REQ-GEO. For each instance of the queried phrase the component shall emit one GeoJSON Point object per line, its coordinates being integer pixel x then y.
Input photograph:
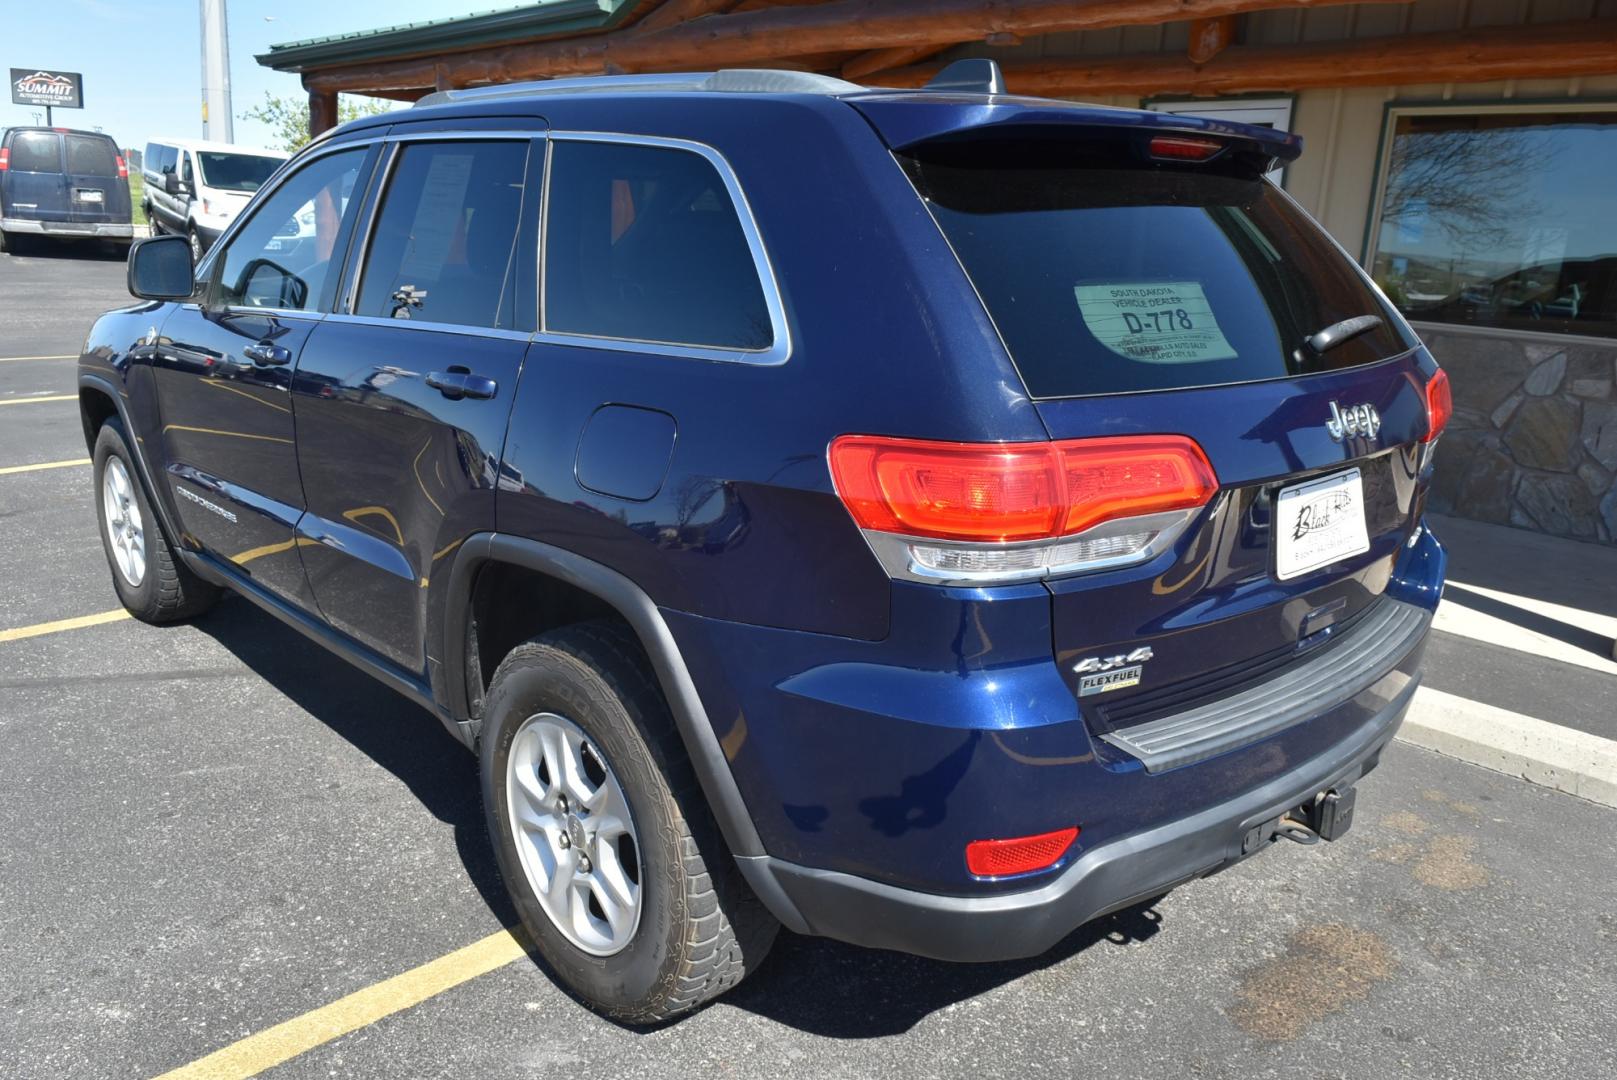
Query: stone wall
{"type": "Point", "coordinates": [1533, 442]}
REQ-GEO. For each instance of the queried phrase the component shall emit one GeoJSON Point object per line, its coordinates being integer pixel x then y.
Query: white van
{"type": "Point", "coordinates": [195, 188]}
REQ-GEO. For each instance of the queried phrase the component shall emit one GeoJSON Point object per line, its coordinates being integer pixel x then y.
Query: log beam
{"type": "Point", "coordinates": [674, 12]}
{"type": "Point", "coordinates": [745, 37]}
{"type": "Point", "coordinates": [1209, 37]}
{"type": "Point", "coordinates": [869, 63]}
{"type": "Point", "coordinates": [1579, 47]}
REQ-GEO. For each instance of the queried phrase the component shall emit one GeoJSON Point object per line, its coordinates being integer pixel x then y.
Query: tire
{"type": "Point", "coordinates": [152, 222]}
{"type": "Point", "coordinates": [163, 590]}
{"type": "Point", "coordinates": [195, 240]}
{"type": "Point", "coordinates": [698, 929]}
{"type": "Point", "coordinates": [2, 241]}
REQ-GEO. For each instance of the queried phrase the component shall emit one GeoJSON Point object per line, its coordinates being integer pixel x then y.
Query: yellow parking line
{"type": "Point", "coordinates": [37, 400]}
{"type": "Point", "coordinates": [6, 359]}
{"type": "Point", "coordinates": [285, 1041]}
{"type": "Point", "coordinates": [9, 469]}
{"type": "Point", "coordinates": [78, 622]}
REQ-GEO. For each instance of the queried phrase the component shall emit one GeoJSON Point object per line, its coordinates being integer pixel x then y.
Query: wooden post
{"type": "Point", "coordinates": [322, 111]}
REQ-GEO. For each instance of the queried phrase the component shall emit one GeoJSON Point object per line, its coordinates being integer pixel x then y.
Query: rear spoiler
{"type": "Point", "coordinates": [963, 104]}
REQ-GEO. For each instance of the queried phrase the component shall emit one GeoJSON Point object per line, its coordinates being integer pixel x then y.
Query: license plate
{"type": "Point", "coordinates": [1319, 523]}
{"type": "Point", "coordinates": [90, 196]}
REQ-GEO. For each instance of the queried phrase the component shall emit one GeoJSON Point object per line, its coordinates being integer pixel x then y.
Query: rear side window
{"type": "Point", "coordinates": [90, 156]}
{"type": "Point", "coordinates": [36, 151]}
{"type": "Point", "coordinates": [644, 243]}
{"type": "Point", "coordinates": [444, 246]}
{"type": "Point", "coordinates": [166, 158]}
{"type": "Point", "coordinates": [1108, 280]}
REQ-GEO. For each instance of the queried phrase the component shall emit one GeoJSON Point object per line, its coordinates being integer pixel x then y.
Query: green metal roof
{"type": "Point", "coordinates": [547, 18]}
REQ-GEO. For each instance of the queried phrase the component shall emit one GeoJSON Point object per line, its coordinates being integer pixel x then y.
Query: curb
{"type": "Point", "coordinates": [1539, 752]}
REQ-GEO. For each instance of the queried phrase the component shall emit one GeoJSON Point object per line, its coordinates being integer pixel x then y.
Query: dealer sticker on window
{"type": "Point", "coordinates": [1319, 523]}
{"type": "Point", "coordinates": [1157, 322]}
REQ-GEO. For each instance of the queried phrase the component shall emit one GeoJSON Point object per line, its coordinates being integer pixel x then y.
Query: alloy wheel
{"type": "Point", "coordinates": [125, 528]}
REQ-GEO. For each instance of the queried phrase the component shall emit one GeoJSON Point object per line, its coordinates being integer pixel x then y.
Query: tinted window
{"type": "Point", "coordinates": [162, 158]}
{"type": "Point", "coordinates": [1501, 219]}
{"type": "Point", "coordinates": [1107, 280]}
{"type": "Point", "coordinates": [36, 151]}
{"type": "Point", "coordinates": [185, 166]}
{"type": "Point", "coordinates": [236, 172]}
{"type": "Point", "coordinates": [90, 156]}
{"type": "Point", "coordinates": [444, 245]}
{"type": "Point", "coordinates": [281, 256]}
{"type": "Point", "coordinates": [644, 243]}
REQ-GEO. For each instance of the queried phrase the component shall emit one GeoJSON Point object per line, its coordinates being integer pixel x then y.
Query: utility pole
{"type": "Point", "coordinates": [217, 118]}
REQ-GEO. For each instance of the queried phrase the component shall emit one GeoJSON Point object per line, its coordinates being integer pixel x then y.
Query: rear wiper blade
{"type": "Point", "coordinates": [1346, 330]}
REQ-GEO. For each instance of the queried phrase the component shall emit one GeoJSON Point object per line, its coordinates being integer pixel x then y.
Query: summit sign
{"type": "Point", "coordinates": [58, 89]}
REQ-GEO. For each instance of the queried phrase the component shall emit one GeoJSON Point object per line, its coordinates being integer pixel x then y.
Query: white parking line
{"type": "Point", "coordinates": [8, 359]}
{"type": "Point", "coordinates": [39, 400]}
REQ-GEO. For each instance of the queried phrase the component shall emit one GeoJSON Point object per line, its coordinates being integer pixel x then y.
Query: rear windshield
{"type": "Point", "coordinates": [236, 172]}
{"type": "Point", "coordinates": [1114, 280]}
{"type": "Point", "coordinates": [88, 155]}
{"type": "Point", "coordinates": [36, 151]}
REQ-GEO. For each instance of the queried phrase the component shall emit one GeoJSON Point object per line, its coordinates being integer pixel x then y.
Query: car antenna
{"type": "Point", "coordinates": [973, 76]}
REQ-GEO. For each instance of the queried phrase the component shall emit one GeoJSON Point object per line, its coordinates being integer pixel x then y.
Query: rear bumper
{"type": "Point", "coordinates": [1105, 878]}
{"type": "Point", "coordinates": [105, 230]}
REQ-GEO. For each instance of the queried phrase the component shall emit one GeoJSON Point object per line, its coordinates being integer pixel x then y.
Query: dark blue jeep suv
{"type": "Point", "coordinates": [930, 519]}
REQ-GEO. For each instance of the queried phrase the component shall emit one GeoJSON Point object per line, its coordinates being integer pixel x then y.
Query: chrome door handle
{"type": "Point", "coordinates": [457, 383]}
{"type": "Point", "coordinates": [268, 353]}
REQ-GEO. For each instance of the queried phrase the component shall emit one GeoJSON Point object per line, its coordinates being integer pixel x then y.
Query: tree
{"type": "Point", "coordinates": [289, 116]}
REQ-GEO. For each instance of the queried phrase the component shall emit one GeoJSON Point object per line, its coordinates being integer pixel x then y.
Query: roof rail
{"type": "Point", "coordinates": [733, 81]}
{"type": "Point", "coordinates": [972, 76]}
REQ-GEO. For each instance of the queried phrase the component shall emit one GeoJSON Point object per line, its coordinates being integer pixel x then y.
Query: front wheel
{"type": "Point", "coordinates": [196, 244]}
{"type": "Point", "coordinates": [153, 584]}
{"type": "Point", "coordinates": [612, 857]}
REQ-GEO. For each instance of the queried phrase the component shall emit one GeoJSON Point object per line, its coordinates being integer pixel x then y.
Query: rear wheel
{"type": "Point", "coordinates": [150, 580]}
{"type": "Point", "coordinates": [152, 222]}
{"type": "Point", "coordinates": [612, 857]}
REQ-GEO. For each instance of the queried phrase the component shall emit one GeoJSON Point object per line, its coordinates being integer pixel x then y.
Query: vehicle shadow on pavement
{"type": "Point", "coordinates": [815, 985]}
{"type": "Point", "coordinates": [844, 992]}
{"type": "Point", "coordinates": [391, 730]}
{"type": "Point", "coordinates": [35, 247]}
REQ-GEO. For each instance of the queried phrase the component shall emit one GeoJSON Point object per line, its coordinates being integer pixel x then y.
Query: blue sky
{"type": "Point", "coordinates": [141, 59]}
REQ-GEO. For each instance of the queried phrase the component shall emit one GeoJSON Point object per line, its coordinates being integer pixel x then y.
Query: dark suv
{"type": "Point", "coordinates": [64, 184]}
{"type": "Point", "coordinates": [930, 519]}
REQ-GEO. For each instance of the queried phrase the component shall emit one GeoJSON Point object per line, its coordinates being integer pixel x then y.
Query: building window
{"type": "Point", "coordinates": [1500, 217]}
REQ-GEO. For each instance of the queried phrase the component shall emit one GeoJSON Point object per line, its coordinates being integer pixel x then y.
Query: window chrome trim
{"type": "Point", "coordinates": [435, 327]}
{"type": "Point", "coordinates": [349, 290]}
{"type": "Point", "coordinates": [778, 352]}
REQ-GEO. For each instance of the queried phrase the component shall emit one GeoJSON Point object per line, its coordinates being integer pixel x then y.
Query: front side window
{"type": "Point", "coordinates": [281, 256]}
{"type": "Point", "coordinates": [88, 155]}
{"type": "Point", "coordinates": [644, 243]}
{"type": "Point", "coordinates": [185, 167]}
{"type": "Point", "coordinates": [1500, 219]}
{"type": "Point", "coordinates": [444, 245]}
{"type": "Point", "coordinates": [36, 151]}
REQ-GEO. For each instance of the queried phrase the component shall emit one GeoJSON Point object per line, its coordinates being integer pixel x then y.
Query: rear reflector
{"type": "Point", "coordinates": [1004, 492]}
{"type": "Point", "coordinates": [999, 858]}
{"type": "Point", "coordinates": [123, 168]}
{"type": "Point", "coordinates": [5, 160]}
{"type": "Point", "coordinates": [1184, 148]}
{"type": "Point", "coordinates": [1439, 406]}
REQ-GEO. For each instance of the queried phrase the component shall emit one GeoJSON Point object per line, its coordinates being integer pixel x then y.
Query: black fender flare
{"type": "Point", "coordinates": [643, 616]}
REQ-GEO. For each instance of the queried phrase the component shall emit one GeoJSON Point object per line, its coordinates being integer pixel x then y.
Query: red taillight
{"type": "Point", "coordinates": [123, 168]}
{"type": "Point", "coordinates": [999, 492]}
{"type": "Point", "coordinates": [5, 160]}
{"type": "Point", "coordinates": [999, 858]}
{"type": "Point", "coordinates": [1439, 406]}
{"type": "Point", "coordinates": [1184, 148]}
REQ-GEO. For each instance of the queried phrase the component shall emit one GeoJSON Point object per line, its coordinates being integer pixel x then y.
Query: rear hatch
{"type": "Point", "coordinates": [31, 184]}
{"type": "Point", "coordinates": [1150, 288]}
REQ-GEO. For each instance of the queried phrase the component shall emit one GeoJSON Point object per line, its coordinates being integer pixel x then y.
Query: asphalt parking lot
{"type": "Point", "coordinates": [215, 829]}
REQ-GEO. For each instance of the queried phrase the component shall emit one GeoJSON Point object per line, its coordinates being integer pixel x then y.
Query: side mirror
{"type": "Point", "coordinates": [160, 268]}
{"type": "Point", "coordinates": [173, 185]}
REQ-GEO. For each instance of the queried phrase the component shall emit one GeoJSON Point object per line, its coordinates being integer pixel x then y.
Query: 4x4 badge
{"type": "Point", "coordinates": [1099, 674]}
{"type": "Point", "coordinates": [1353, 420]}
